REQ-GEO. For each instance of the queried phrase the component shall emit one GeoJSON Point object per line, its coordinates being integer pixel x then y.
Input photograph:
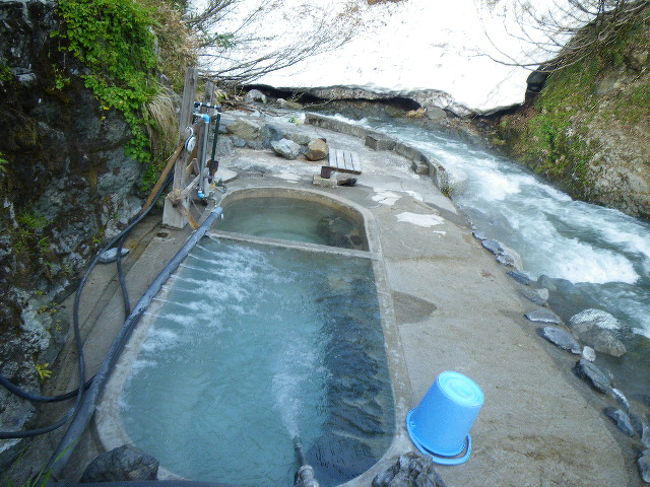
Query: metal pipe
{"type": "Point", "coordinates": [202, 193]}
{"type": "Point", "coordinates": [305, 476]}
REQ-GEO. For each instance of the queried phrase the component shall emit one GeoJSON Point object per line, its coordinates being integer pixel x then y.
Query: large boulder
{"type": "Point", "coordinates": [604, 341]}
{"type": "Point", "coordinates": [254, 96]}
{"type": "Point", "coordinates": [286, 148]}
{"type": "Point", "coordinates": [596, 328]}
{"type": "Point", "coordinates": [125, 463]}
{"type": "Point", "coordinates": [245, 129]}
{"type": "Point", "coordinates": [317, 150]}
{"type": "Point", "coordinates": [589, 319]}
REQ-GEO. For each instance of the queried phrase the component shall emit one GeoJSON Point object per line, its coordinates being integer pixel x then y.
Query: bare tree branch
{"type": "Point", "coordinates": [235, 45]}
{"type": "Point", "coordinates": [543, 33]}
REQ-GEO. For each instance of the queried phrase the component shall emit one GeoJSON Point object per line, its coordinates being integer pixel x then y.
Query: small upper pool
{"type": "Point", "coordinates": [282, 215]}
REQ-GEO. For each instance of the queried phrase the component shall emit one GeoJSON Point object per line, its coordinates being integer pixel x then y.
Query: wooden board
{"type": "Point", "coordinates": [344, 161]}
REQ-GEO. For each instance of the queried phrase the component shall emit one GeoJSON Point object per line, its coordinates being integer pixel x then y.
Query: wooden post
{"type": "Point", "coordinates": [173, 216]}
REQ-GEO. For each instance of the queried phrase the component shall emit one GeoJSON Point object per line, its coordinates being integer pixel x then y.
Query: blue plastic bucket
{"type": "Point", "coordinates": [440, 425]}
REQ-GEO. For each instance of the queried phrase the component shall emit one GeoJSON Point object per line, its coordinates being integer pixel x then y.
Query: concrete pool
{"type": "Point", "coordinates": [256, 340]}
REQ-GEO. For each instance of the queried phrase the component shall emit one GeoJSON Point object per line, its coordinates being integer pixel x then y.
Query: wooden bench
{"type": "Point", "coordinates": [341, 161]}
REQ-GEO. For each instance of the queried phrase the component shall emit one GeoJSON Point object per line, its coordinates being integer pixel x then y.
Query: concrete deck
{"type": "Point", "coordinates": [453, 308]}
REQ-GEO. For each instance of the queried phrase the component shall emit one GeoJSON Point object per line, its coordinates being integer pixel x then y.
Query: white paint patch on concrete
{"type": "Point", "coordinates": [414, 195]}
{"type": "Point", "coordinates": [420, 219]}
{"type": "Point", "coordinates": [386, 198]}
{"type": "Point", "coordinates": [289, 177]}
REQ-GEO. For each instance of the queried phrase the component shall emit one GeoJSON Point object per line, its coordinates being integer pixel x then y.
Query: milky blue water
{"type": "Point", "coordinates": [251, 346]}
{"type": "Point", "coordinates": [295, 219]}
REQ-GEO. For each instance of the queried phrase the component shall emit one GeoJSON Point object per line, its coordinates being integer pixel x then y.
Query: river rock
{"type": "Point", "coordinates": [435, 114]}
{"type": "Point", "coordinates": [298, 137]}
{"type": "Point", "coordinates": [644, 466]}
{"type": "Point", "coordinates": [286, 148]}
{"type": "Point", "coordinates": [537, 296]}
{"type": "Point", "coordinates": [645, 436]}
{"type": "Point", "coordinates": [290, 105]}
{"type": "Point", "coordinates": [621, 399]}
{"type": "Point", "coordinates": [317, 150]}
{"type": "Point", "coordinates": [621, 420]}
{"type": "Point", "coordinates": [560, 338]}
{"type": "Point", "coordinates": [492, 245]}
{"type": "Point", "coordinates": [478, 235]}
{"type": "Point", "coordinates": [589, 354]}
{"type": "Point", "coordinates": [593, 375]}
{"type": "Point", "coordinates": [237, 141]}
{"type": "Point", "coordinates": [604, 341]}
{"type": "Point", "coordinates": [504, 255]}
{"type": "Point", "coordinates": [270, 133]}
{"type": "Point", "coordinates": [641, 426]}
{"type": "Point", "coordinates": [510, 258]}
{"type": "Point", "coordinates": [589, 319]}
{"type": "Point", "coordinates": [245, 129]}
{"type": "Point", "coordinates": [520, 277]}
{"type": "Point", "coordinates": [543, 315]}
{"type": "Point", "coordinates": [409, 470]}
{"type": "Point", "coordinates": [125, 463]}
{"type": "Point", "coordinates": [255, 96]}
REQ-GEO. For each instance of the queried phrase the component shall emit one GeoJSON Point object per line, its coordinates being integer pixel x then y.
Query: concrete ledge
{"type": "Point", "coordinates": [422, 163]}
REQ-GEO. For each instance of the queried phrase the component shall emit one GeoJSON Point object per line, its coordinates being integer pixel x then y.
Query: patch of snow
{"type": "Point", "coordinates": [386, 198]}
{"type": "Point", "coordinates": [415, 195]}
{"type": "Point", "coordinates": [420, 219]}
{"type": "Point", "coordinates": [415, 45]}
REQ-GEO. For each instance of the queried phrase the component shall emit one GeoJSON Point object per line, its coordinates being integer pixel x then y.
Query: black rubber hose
{"type": "Point", "coordinates": [37, 397]}
{"type": "Point", "coordinates": [120, 275]}
{"type": "Point", "coordinates": [83, 414]}
{"type": "Point", "coordinates": [79, 392]}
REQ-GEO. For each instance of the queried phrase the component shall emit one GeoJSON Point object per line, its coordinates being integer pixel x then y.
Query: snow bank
{"type": "Point", "coordinates": [420, 45]}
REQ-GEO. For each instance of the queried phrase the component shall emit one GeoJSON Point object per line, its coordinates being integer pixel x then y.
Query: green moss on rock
{"type": "Point", "coordinates": [591, 122]}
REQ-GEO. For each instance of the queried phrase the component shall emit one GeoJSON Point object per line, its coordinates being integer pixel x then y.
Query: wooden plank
{"type": "Point", "coordinates": [347, 160]}
{"type": "Point", "coordinates": [344, 161]}
{"type": "Point", "coordinates": [356, 163]}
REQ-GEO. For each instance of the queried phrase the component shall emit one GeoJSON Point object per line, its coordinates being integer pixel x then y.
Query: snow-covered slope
{"type": "Point", "coordinates": [418, 45]}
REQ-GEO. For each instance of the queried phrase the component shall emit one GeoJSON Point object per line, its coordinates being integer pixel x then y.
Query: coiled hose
{"type": "Point", "coordinates": [83, 414]}
{"type": "Point", "coordinates": [79, 392]}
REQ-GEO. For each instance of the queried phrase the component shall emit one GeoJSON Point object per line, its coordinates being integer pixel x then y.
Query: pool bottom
{"type": "Point", "coordinates": [302, 359]}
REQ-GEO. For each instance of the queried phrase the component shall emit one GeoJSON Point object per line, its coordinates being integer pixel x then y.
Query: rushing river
{"type": "Point", "coordinates": [588, 255]}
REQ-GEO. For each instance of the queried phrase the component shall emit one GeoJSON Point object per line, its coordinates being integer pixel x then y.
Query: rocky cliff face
{"type": "Point", "coordinates": [65, 185]}
{"type": "Point", "coordinates": [588, 130]}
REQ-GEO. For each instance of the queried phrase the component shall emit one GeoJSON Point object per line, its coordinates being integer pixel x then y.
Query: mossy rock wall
{"type": "Point", "coordinates": [588, 130]}
{"type": "Point", "coordinates": [65, 183]}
